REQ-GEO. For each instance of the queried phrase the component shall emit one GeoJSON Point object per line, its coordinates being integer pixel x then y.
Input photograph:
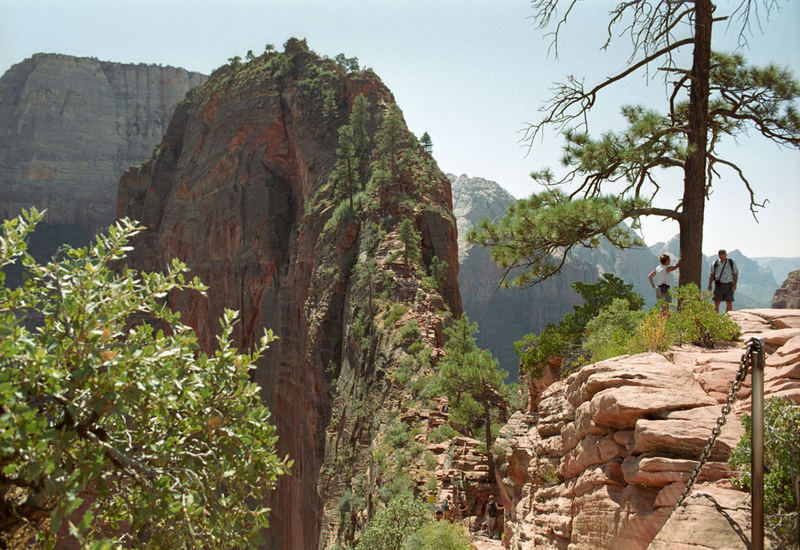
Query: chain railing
{"type": "Point", "coordinates": [754, 349]}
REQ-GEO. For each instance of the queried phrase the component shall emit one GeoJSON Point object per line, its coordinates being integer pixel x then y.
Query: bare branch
{"type": "Point", "coordinates": [754, 205]}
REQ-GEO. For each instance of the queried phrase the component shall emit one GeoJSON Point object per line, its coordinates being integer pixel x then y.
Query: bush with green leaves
{"type": "Point", "coordinates": [438, 535]}
{"type": "Point", "coordinates": [391, 526]}
{"type": "Point", "coordinates": [696, 321]}
{"type": "Point", "coordinates": [173, 444]}
{"type": "Point", "coordinates": [609, 333]}
{"type": "Point", "coordinates": [564, 340]}
{"type": "Point", "coordinates": [781, 468]}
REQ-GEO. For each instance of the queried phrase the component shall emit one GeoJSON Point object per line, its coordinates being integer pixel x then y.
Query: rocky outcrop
{"type": "Point", "coordinates": [240, 189]}
{"type": "Point", "coordinates": [788, 295]}
{"type": "Point", "coordinates": [69, 128]}
{"type": "Point", "coordinates": [527, 310]}
{"type": "Point", "coordinates": [601, 457]}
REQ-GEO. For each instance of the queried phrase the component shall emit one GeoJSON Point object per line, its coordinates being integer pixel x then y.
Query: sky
{"type": "Point", "coordinates": [472, 73]}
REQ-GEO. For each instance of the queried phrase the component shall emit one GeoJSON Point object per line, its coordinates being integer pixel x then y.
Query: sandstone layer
{"type": "Point", "coordinates": [240, 189]}
{"type": "Point", "coordinates": [600, 458]}
{"type": "Point", "coordinates": [69, 128]}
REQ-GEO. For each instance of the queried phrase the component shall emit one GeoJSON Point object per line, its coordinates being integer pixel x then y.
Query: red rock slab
{"type": "Point", "coordinates": [686, 433]}
{"type": "Point", "coordinates": [711, 517]}
{"type": "Point", "coordinates": [659, 471]}
{"type": "Point", "coordinates": [787, 354]}
{"type": "Point", "coordinates": [621, 407]}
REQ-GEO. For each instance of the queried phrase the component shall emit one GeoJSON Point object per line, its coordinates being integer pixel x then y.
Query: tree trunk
{"type": "Point", "coordinates": [694, 188]}
{"type": "Point", "coordinates": [488, 419]}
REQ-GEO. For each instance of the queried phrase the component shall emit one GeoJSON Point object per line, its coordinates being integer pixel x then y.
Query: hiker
{"type": "Point", "coordinates": [447, 509]}
{"type": "Point", "coordinates": [724, 275]}
{"type": "Point", "coordinates": [491, 516]}
{"type": "Point", "coordinates": [501, 520]}
{"type": "Point", "coordinates": [663, 280]}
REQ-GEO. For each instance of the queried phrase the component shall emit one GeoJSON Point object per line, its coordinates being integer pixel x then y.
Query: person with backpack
{"type": "Point", "coordinates": [724, 275]}
{"type": "Point", "coordinates": [491, 516]}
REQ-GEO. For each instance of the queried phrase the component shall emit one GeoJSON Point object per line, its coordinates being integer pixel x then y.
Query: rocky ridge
{"type": "Point", "coordinates": [70, 126]}
{"type": "Point", "coordinates": [788, 295]}
{"type": "Point", "coordinates": [600, 458]}
{"type": "Point", "coordinates": [240, 188]}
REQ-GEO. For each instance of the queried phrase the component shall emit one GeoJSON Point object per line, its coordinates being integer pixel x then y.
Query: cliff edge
{"type": "Point", "coordinates": [600, 458]}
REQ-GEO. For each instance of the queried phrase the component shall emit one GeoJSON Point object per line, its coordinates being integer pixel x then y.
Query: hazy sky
{"type": "Point", "coordinates": [471, 73]}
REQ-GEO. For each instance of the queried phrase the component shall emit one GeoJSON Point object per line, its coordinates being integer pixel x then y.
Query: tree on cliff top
{"type": "Point", "coordinates": [717, 95]}
{"type": "Point", "coordinates": [171, 447]}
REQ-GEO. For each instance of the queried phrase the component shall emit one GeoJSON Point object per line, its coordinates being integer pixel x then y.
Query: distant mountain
{"type": "Point", "coordinates": [70, 126]}
{"type": "Point", "coordinates": [506, 315]}
{"type": "Point", "coordinates": [780, 267]}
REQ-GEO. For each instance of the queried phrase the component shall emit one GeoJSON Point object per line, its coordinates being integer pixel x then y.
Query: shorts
{"type": "Point", "coordinates": [663, 295]}
{"type": "Point", "coordinates": [723, 292]}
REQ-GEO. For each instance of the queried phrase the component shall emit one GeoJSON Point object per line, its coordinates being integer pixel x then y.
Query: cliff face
{"type": "Point", "coordinates": [69, 127]}
{"type": "Point", "coordinates": [506, 315]}
{"type": "Point", "coordinates": [788, 295]}
{"type": "Point", "coordinates": [240, 189]}
{"type": "Point", "coordinates": [601, 457]}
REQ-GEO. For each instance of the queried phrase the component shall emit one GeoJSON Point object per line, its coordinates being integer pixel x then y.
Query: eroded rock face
{"type": "Point", "coordinates": [69, 128]}
{"type": "Point", "coordinates": [788, 295]}
{"type": "Point", "coordinates": [240, 190]}
{"type": "Point", "coordinates": [604, 455]}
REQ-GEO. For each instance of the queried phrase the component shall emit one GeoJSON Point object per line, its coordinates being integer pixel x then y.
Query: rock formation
{"type": "Point", "coordinates": [788, 295]}
{"type": "Point", "coordinates": [240, 189]}
{"type": "Point", "coordinates": [528, 310]}
{"type": "Point", "coordinates": [600, 458]}
{"type": "Point", "coordinates": [69, 128]}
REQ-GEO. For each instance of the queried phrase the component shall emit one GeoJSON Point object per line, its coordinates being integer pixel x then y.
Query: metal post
{"type": "Point", "coordinates": [757, 442]}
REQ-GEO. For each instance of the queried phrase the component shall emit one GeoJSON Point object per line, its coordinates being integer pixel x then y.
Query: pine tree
{"type": "Point", "coordinates": [472, 381]}
{"type": "Point", "coordinates": [391, 137]}
{"type": "Point", "coordinates": [426, 143]}
{"type": "Point", "coordinates": [408, 235]}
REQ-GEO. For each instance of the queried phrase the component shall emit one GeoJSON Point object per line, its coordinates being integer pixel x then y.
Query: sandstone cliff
{"type": "Point", "coordinates": [240, 189]}
{"type": "Point", "coordinates": [788, 295]}
{"type": "Point", "coordinates": [69, 128]}
{"type": "Point", "coordinates": [601, 457]}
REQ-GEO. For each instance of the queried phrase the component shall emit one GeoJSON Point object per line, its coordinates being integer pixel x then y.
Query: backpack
{"type": "Point", "coordinates": [716, 263]}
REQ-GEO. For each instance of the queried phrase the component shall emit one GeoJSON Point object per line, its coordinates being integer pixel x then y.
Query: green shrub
{"type": "Point", "coordinates": [430, 461]}
{"type": "Point", "coordinates": [438, 535]}
{"type": "Point", "coordinates": [390, 527]}
{"type": "Point", "coordinates": [409, 333]}
{"type": "Point", "coordinates": [781, 468]}
{"type": "Point", "coordinates": [442, 433]}
{"type": "Point", "coordinates": [610, 332]}
{"type": "Point", "coordinates": [696, 321]}
{"type": "Point", "coordinates": [397, 435]}
{"type": "Point", "coordinates": [395, 313]}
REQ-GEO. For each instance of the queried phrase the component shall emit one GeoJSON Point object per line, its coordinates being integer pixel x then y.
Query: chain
{"type": "Point", "coordinates": [744, 365]}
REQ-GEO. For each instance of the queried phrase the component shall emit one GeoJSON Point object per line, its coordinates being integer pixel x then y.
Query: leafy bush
{"type": "Point", "coordinates": [397, 435]}
{"type": "Point", "coordinates": [395, 313]}
{"type": "Point", "coordinates": [781, 468]}
{"type": "Point", "coordinates": [696, 321]}
{"type": "Point", "coordinates": [390, 527]}
{"type": "Point", "coordinates": [438, 535]}
{"type": "Point", "coordinates": [564, 340]}
{"type": "Point", "coordinates": [442, 433]}
{"type": "Point", "coordinates": [409, 333]}
{"type": "Point", "coordinates": [609, 333]}
{"type": "Point", "coordinates": [172, 441]}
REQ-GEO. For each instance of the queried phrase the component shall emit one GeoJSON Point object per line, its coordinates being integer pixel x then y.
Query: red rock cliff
{"type": "Point", "coordinates": [240, 190]}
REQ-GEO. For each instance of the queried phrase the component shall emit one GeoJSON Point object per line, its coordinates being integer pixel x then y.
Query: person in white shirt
{"type": "Point", "coordinates": [724, 275]}
{"type": "Point", "coordinates": [661, 280]}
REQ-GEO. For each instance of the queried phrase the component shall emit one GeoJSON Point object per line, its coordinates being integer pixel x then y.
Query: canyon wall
{"type": "Point", "coordinates": [70, 126]}
{"type": "Point", "coordinates": [240, 188]}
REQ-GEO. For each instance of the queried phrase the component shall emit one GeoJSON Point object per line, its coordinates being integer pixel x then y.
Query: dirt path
{"type": "Point", "coordinates": [482, 542]}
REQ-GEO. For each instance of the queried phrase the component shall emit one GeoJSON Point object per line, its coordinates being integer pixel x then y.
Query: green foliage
{"type": "Point", "coordinates": [170, 440]}
{"type": "Point", "coordinates": [532, 241]}
{"type": "Point", "coordinates": [350, 64]}
{"type": "Point", "coordinates": [442, 433]}
{"type": "Point", "coordinates": [426, 143]}
{"type": "Point", "coordinates": [472, 382]}
{"type": "Point", "coordinates": [696, 321]}
{"type": "Point", "coordinates": [409, 333]}
{"type": "Point", "coordinates": [437, 272]}
{"type": "Point", "coordinates": [608, 333]}
{"type": "Point", "coordinates": [391, 138]}
{"type": "Point", "coordinates": [391, 526]}
{"type": "Point", "coordinates": [781, 468]}
{"type": "Point", "coordinates": [549, 474]}
{"type": "Point", "coordinates": [397, 435]}
{"type": "Point", "coordinates": [564, 340]}
{"type": "Point", "coordinates": [394, 315]}
{"type": "Point", "coordinates": [438, 535]}
{"type": "Point", "coordinates": [410, 238]}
